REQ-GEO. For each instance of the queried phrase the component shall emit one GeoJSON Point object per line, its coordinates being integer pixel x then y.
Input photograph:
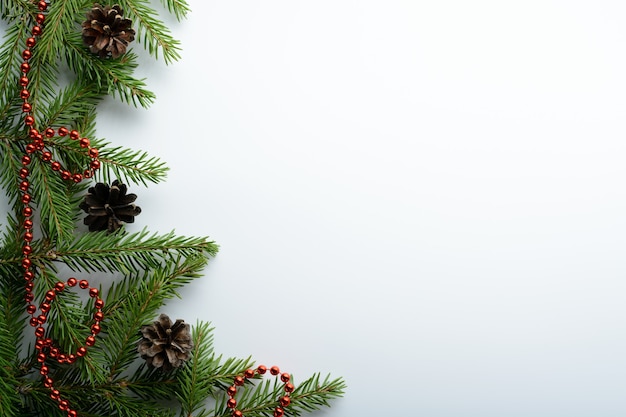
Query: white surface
{"type": "Point", "coordinates": [424, 197]}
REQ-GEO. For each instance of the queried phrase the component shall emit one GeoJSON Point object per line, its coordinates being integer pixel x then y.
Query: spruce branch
{"type": "Point", "coordinates": [152, 32]}
{"type": "Point", "coordinates": [179, 8]}
{"type": "Point", "coordinates": [115, 76]}
{"type": "Point", "coordinates": [127, 253]}
{"type": "Point", "coordinates": [130, 166]}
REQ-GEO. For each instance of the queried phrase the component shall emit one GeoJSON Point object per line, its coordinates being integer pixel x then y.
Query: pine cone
{"type": "Point", "coordinates": [108, 207]}
{"type": "Point", "coordinates": [165, 345]}
{"type": "Point", "coordinates": [106, 32]}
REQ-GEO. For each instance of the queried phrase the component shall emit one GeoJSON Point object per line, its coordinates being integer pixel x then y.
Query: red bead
{"type": "Point", "coordinates": [285, 400]}
{"type": "Point", "coordinates": [26, 263]}
{"type": "Point", "coordinates": [84, 143]}
{"type": "Point", "coordinates": [24, 94]}
{"type": "Point", "coordinates": [55, 166]}
{"type": "Point", "coordinates": [44, 370]}
{"type": "Point", "coordinates": [249, 373]}
{"type": "Point", "coordinates": [50, 295]}
{"type": "Point", "coordinates": [27, 54]}
{"type": "Point", "coordinates": [72, 413]}
{"type": "Point", "coordinates": [30, 148]}
{"type": "Point", "coordinates": [40, 18]}
{"type": "Point", "coordinates": [31, 309]}
{"type": "Point", "coordinates": [74, 135]}
{"type": "Point", "coordinates": [49, 132]}
{"type": "Point", "coordinates": [54, 352]}
{"type": "Point", "coordinates": [24, 185]}
{"type": "Point", "coordinates": [77, 178]}
{"type": "Point", "coordinates": [59, 286]}
{"type": "Point", "coordinates": [44, 307]}
{"type": "Point", "coordinates": [231, 403]}
{"type": "Point", "coordinates": [46, 156]}
{"type": "Point", "coordinates": [93, 152]}
{"type": "Point", "coordinates": [27, 250]}
{"type": "Point", "coordinates": [25, 67]}
{"type": "Point", "coordinates": [274, 370]}
{"type": "Point", "coordinates": [41, 319]}
{"type": "Point", "coordinates": [71, 358]}
{"type": "Point", "coordinates": [28, 237]}
{"type": "Point", "coordinates": [289, 387]}
{"type": "Point", "coordinates": [72, 282]}
{"type": "Point", "coordinates": [29, 120]}
{"type": "Point", "coordinates": [285, 377]}
{"type": "Point", "coordinates": [27, 108]}
{"type": "Point", "coordinates": [29, 287]}
{"type": "Point", "coordinates": [239, 381]}
{"type": "Point", "coordinates": [237, 413]}
{"type": "Point", "coordinates": [231, 391]}
{"type": "Point", "coordinates": [24, 81]}
{"type": "Point", "coordinates": [63, 131]}
{"type": "Point", "coordinates": [23, 173]}
{"type": "Point", "coordinates": [41, 358]}
{"type": "Point", "coordinates": [66, 175]}
{"type": "Point", "coordinates": [99, 303]}
{"type": "Point", "coordinates": [98, 316]}
{"type": "Point", "coordinates": [279, 412]}
{"type": "Point", "coordinates": [64, 405]}
{"type": "Point", "coordinates": [82, 351]}
{"type": "Point", "coordinates": [27, 211]}
{"type": "Point", "coordinates": [90, 341]}
{"type": "Point", "coordinates": [26, 160]}
{"type": "Point", "coordinates": [33, 322]}
{"type": "Point", "coordinates": [261, 369]}
{"type": "Point", "coordinates": [30, 42]}
{"type": "Point", "coordinates": [26, 198]}
{"type": "Point", "coordinates": [95, 164]}
{"type": "Point", "coordinates": [40, 331]}
{"type": "Point", "coordinates": [36, 30]}
{"type": "Point", "coordinates": [42, 5]}
{"type": "Point", "coordinates": [28, 275]}
{"type": "Point", "coordinates": [55, 394]}
{"type": "Point", "coordinates": [83, 283]}
{"type": "Point", "coordinates": [87, 174]}
{"type": "Point", "coordinates": [95, 329]}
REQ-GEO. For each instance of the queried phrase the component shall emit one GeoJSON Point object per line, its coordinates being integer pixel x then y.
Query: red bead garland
{"type": "Point", "coordinates": [45, 346]}
{"type": "Point", "coordinates": [240, 380]}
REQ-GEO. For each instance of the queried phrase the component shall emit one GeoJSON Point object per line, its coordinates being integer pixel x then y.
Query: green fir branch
{"type": "Point", "coordinates": [130, 166]}
{"type": "Point", "coordinates": [151, 31]}
{"type": "Point", "coordinates": [179, 8]}
{"type": "Point", "coordinates": [128, 253]}
{"type": "Point", "coordinates": [115, 76]}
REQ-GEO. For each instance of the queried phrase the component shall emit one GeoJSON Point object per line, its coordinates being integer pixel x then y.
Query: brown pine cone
{"type": "Point", "coordinates": [165, 345]}
{"type": "Point", "coordinates": [108, 207]}
{"type": "Point", "coordinates": [106, 31]}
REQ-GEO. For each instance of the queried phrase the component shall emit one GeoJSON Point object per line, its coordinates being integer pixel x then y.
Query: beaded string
{"type": "Point", "coordinates": [46, 346]}
{"type": "Point", "coordinates": [239, 380]}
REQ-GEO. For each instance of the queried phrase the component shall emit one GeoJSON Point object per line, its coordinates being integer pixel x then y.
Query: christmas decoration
{"type": "Point", "coordinates": [165, 345]}
{"type": "Point", "coordinates": [106, 31]}
{"type": "Point", "coordinates": [108, 207]}
{"type": "Point", "coordinates": [86, 356]}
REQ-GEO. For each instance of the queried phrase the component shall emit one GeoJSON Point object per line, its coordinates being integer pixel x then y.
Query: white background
{"type": "Point", "coordinates": [424, 197]}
